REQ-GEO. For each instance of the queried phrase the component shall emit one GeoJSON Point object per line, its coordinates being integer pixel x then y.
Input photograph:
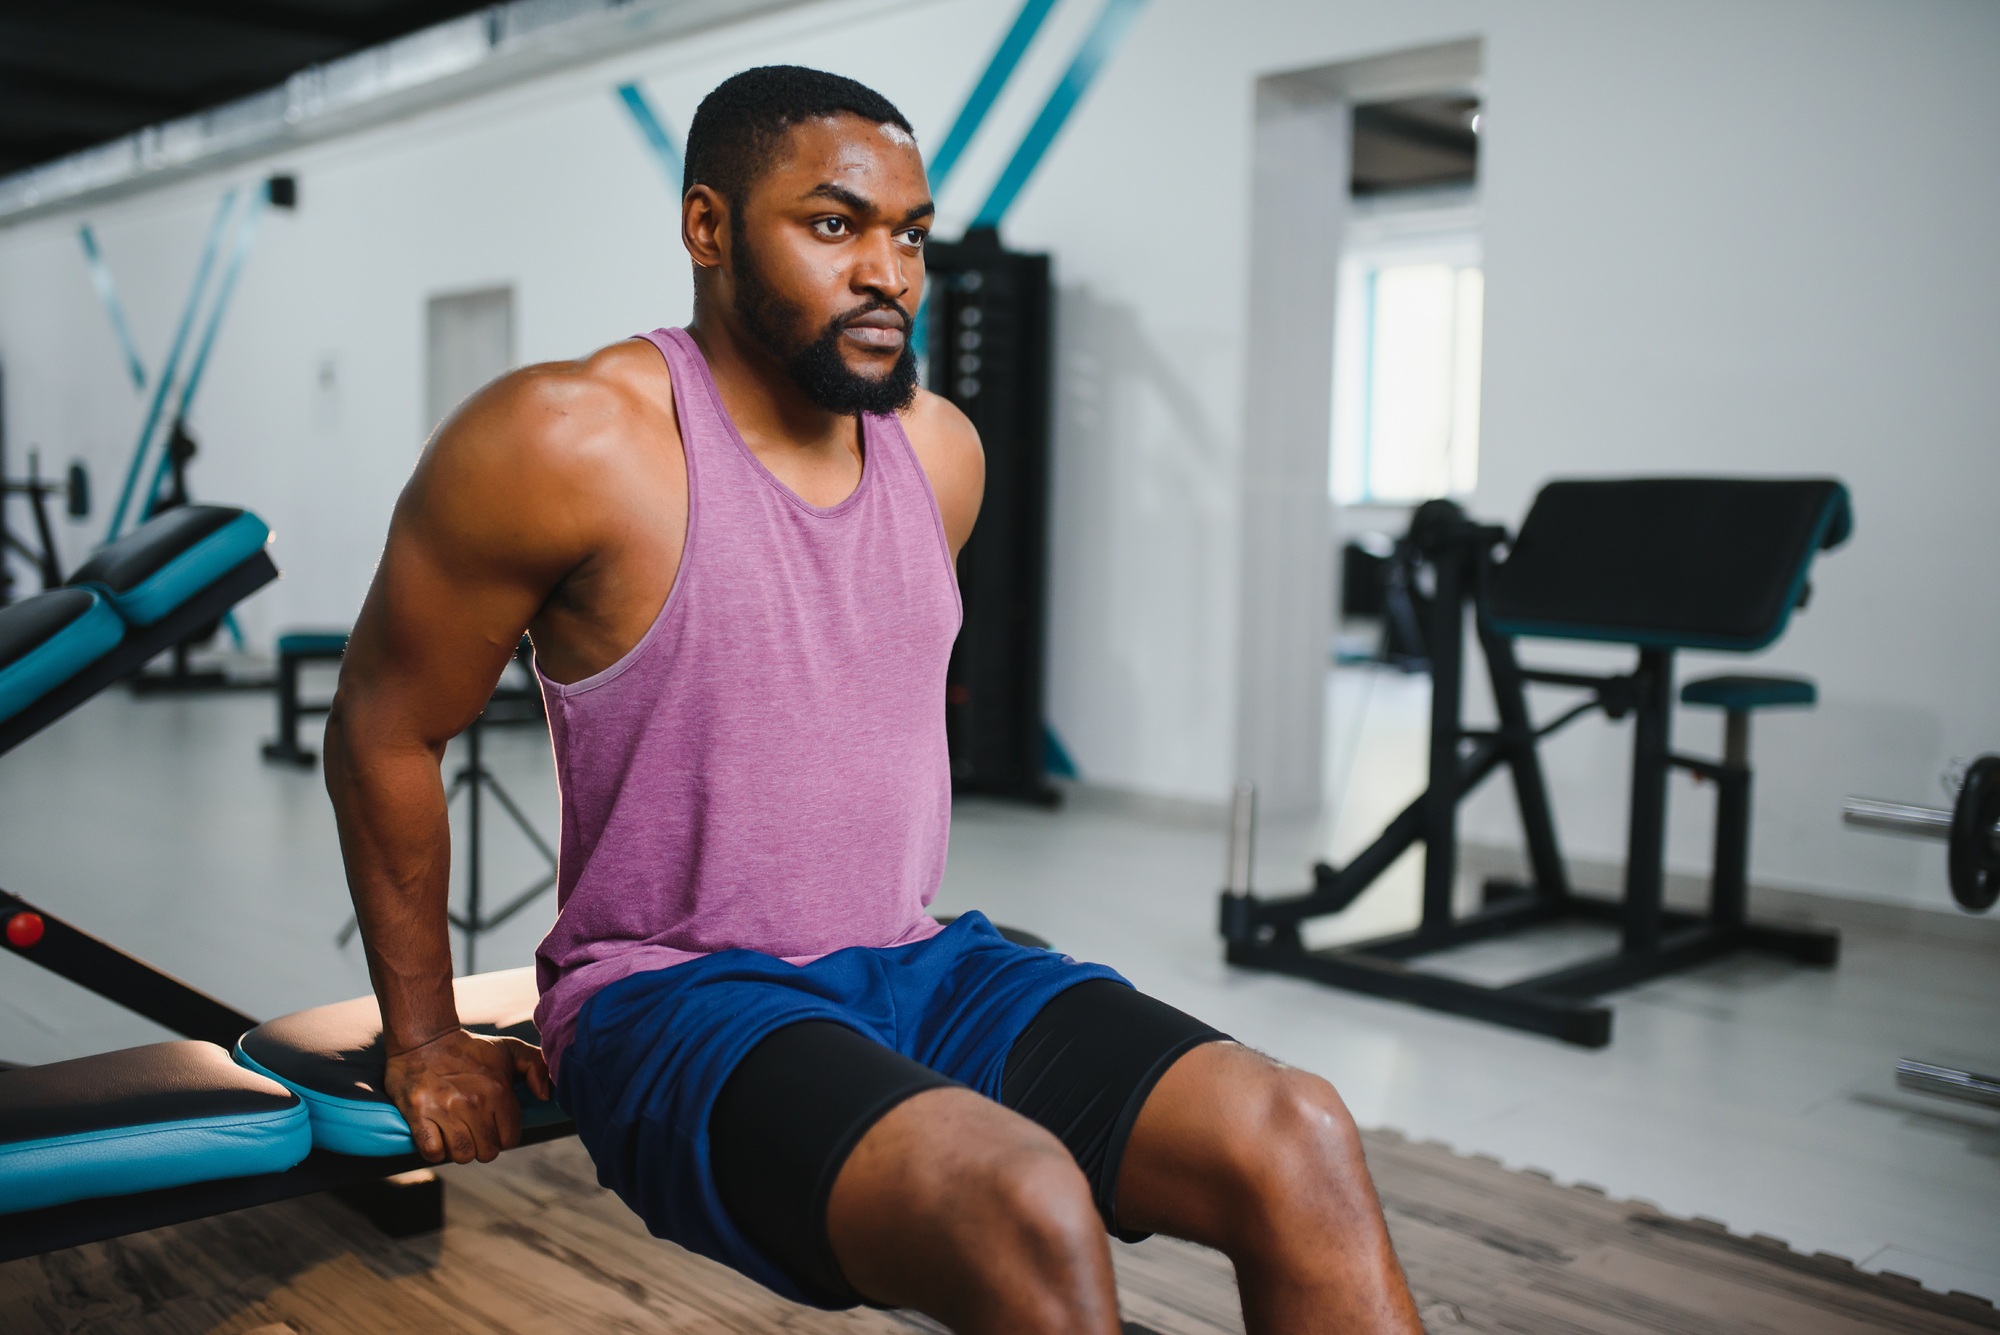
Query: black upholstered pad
{"type": "Point", "coordinates": [145, 551]}
{"type": "Point", "coordinates": [162, 1082]}
{"type": "Point", "coordinates": [32, 622]}
{"type": "Point", "coordinates": [1715, 563]}
{"type": "Point", "coordinates": [337, 1050]}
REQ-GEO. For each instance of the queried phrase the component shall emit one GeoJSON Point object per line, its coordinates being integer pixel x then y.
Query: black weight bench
{"type": "Point", "coordinates": [130, 602]}
{"type": "Point", "coordinates": [1660, 564]}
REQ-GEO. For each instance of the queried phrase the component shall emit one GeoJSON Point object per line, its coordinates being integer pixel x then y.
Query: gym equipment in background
{"type": "Point", "coordinates": [1658, 564]}
{"type": "Point", "coordinates": [508, 706]}
{"type": "Point", "coordinates": [295, 649]}
{"type": "Point", "coordinates": [1970, 830]}
{"type": "Point", "coordinates": [133, 599]}
{"type": "Point", "coordinates": [75, 491]}
{"type": "Point", "coordinates": [1971, 834]}
{"type": "Point", "coordinates": [989, 312]}
{"type": "Point", "coordinates": [1378, 581]}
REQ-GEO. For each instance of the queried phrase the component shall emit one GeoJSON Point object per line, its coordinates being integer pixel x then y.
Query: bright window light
{"type": "Point", "coordinates": [1413, 411]}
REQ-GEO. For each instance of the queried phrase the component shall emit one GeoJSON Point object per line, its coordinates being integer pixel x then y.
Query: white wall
{"type": "Point", "coordinates": [1718, 236]}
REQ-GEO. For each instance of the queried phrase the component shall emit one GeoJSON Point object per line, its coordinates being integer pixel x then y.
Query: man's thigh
{"type": "Point", "coordinates": [1085, 1068]}
{"type": "Point", "coordinates": [803, 1102]}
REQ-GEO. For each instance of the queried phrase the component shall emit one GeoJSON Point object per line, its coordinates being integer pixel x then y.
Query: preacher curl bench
{"type": "Point", "coordinates": [238, 1113]}
{"type": "Point", "coordinates": [1660, 564]}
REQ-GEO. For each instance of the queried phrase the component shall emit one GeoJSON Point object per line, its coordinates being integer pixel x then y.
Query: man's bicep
{"type": "Point", "coordinates": [435, 634]}
{"type": "Point", "coordinates": [947, 445]}
{"type": "Point", "coordinates": [474, 549]}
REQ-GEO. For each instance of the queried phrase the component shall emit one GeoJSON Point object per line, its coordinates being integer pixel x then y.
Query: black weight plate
{"type": "Point", "coordinates": [1975, 867]}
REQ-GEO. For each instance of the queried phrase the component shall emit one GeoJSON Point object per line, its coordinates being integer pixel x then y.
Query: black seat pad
{"type": "Point", "coordinates": [32, 622]}
{"type": "Point", "coordinates": [338, 1049]}
{"type": "Point", "coordinates": [1714, 563]}
{"type": "Point", "coordinates": [162, 1082]}
{"type": "Point", "coordinates": [124, 565]}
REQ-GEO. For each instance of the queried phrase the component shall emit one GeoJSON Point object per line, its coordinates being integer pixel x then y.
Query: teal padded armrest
{"type": "Point", "coordinates": [49, 638]}
{"type": "Point", "coordinates": [171, 557]}
{"type": "Point", "coordinates": [1740, 693]}
{"type": "Point", "coordinates": [333, 1058]}
{"type": "Point", "coordinates": [119, 1123]}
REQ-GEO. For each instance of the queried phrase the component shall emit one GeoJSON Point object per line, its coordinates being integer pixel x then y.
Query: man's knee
{"type": "Point", "coordinates": [1295, 1155]}
{"type": "Point", "coordinates": [1036, 1220]}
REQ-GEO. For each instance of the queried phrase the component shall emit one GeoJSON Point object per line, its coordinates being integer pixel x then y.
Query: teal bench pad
{"type": "Point", "coordinates": [49, 638]}
{"type": "Point", "coordinates": [170, 558]}
{"type": "Point", "coordinates": [333, 1058]}
{"type": "Point", "coordinates": [312, 644]}
{"type": "Point", "coordinates": [1745, 693]}
{"type": "Point", "coordinates": [143, 1119]}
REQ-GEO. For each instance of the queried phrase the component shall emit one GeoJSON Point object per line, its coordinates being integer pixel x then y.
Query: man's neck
{"type": "Point", "coordinates": [770, 411]}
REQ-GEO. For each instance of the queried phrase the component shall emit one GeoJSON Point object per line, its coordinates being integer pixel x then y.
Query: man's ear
{"type": "Point", "coordinates": [704, 223]}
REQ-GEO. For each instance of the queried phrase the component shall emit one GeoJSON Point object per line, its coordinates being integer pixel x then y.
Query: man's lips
{"type": "Point", "coordinates": [877, 329]}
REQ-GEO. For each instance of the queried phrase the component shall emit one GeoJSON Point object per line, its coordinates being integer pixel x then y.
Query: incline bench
{"type": "Point", "coordinates": [1659, 564]}
{"type": "Point", "coordinates": [237, 1113]}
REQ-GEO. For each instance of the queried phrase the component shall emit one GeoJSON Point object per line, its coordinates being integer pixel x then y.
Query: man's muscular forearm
{"type": "Point", "coordinates": [454, 1088]}
{"type": "Point", "coordinates": [395, 838]}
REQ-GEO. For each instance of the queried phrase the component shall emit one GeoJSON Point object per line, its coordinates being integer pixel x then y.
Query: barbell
{"type": "Point", "coordinates": [1970, 831]}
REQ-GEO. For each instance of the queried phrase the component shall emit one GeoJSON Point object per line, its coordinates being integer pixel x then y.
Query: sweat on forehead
{"type": "Point", "coordinates": [740, 126]}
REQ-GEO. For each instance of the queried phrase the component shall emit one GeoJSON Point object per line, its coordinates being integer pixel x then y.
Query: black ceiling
{"type": "Point", "coordinates": [1414, 144]}
{"type": "Point", "coordinates": [74, 73]}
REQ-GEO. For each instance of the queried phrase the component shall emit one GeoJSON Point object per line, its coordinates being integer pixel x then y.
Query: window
{"type": "Point", "coordinates": [1407, 391]}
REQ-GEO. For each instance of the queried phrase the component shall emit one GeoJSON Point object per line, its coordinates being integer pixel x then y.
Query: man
{"type": "Point", "coordinates": [733, 547]}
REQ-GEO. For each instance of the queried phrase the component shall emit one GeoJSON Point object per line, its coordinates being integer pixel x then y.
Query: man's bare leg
{"type": "Point", "coordinates": [1263, 1163]}
{"type": "Point", "coordinates": [973, 1215]}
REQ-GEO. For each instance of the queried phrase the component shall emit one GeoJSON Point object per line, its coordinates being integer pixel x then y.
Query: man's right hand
{"type": "Point", "coordinates": [457, 1093]}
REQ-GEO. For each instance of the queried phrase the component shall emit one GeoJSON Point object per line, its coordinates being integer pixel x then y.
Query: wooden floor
{"type": "Point", "coordinates": [533, 1245]}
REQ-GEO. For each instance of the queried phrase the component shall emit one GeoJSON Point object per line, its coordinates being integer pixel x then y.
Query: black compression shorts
{"type": "Point", "coordinates": [794, 1108]}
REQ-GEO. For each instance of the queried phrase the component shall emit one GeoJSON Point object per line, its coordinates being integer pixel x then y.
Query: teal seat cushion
{"type": "Point", "coordinates": [170, 558]}
{"type": "Point", "coordinates": [332, 1057]}
{"type": "Point", "coordinates": [312, 644]}
{"type": "Point", "coordinates": [49, 638]}
{"type": "Point", "coordinates": [119, 1123]}
{"type": "Point", "coordinates": [1744, 693]}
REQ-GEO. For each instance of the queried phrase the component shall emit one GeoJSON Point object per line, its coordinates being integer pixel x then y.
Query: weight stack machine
{"type": "Point", "coordinates": [990, 344]}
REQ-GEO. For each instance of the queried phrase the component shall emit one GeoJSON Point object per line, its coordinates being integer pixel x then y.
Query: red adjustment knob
{"type": "Point", "coordinates": [24, 930]}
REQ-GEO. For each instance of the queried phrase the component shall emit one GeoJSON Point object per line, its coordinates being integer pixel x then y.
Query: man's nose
{"type": "Point", "coordinates": [879, 268]}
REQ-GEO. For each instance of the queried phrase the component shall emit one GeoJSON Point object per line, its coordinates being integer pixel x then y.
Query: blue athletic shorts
{"type": "Point", "coordinates": [651, 1052]}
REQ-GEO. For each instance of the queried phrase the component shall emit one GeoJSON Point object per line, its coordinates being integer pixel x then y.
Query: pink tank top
{"type": "Point", "coordinates": [766, 768]}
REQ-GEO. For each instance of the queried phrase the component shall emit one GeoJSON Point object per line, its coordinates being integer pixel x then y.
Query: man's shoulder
{"type": "Point", "coordinates": [558, 418]}
{"type": "Point", "coordinates": [939, 429]}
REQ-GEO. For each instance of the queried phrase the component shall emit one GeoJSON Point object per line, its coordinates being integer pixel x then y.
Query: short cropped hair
{"type": "Point", "coordinates": [738, 127]}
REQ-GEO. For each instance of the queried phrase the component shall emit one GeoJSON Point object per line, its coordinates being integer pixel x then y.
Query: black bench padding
{"type": "Point", "coordinates": [1712, 563]}
{"type": "Point", "coordinates": [338, 1050]}
{"type": "Point", "coordinates": [31, 622]}
{"type": "Point", "coordinates": [145, 551]}
{"type": "Point", "coordinates": [162, 1082]}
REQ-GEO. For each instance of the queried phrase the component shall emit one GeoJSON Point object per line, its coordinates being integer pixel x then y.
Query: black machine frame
{"type": "Point", "coordinates": [989, 348]}
{"type": "Point", "coordinates": [1264, 933]}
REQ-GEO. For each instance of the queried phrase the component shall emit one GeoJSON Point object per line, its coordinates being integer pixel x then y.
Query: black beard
{"type": "Point", "coordinates": [815, 365]}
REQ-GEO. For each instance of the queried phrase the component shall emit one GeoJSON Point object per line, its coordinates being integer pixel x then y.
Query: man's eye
{"type": "Point", "coordinates": [830, 226]}
{"type": "Point", "coordinates": [914, 238]}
